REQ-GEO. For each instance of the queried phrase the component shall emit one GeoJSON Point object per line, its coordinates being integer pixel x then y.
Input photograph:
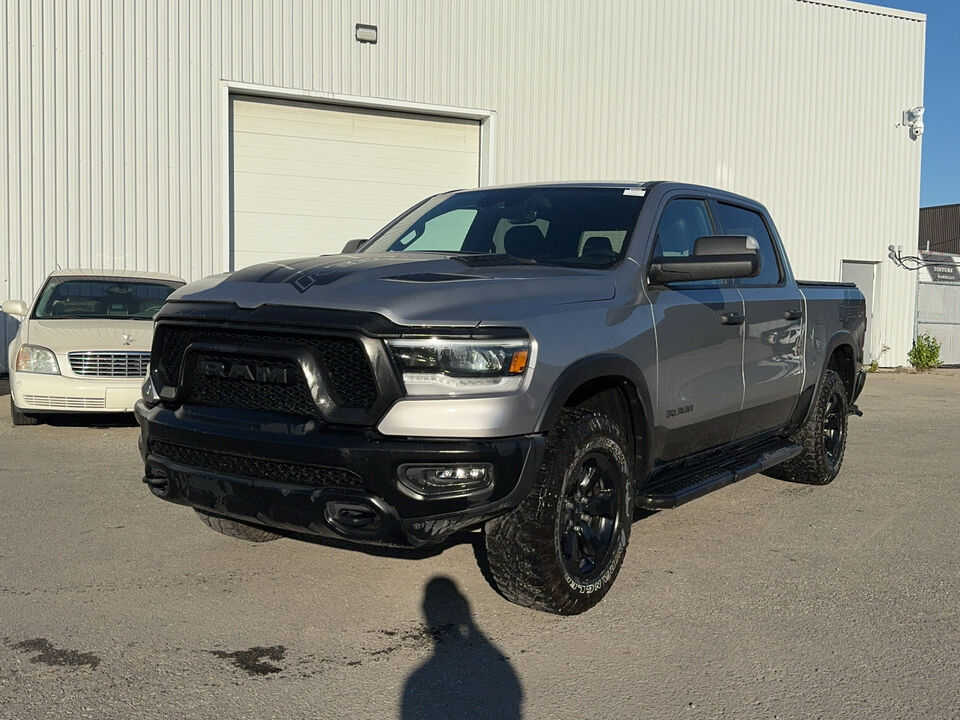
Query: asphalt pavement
{"type": "Point", "coordinates": [763, 600]}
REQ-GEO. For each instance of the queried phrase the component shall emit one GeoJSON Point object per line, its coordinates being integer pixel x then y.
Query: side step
{"type": "Point", "coordinates": [675, 486]}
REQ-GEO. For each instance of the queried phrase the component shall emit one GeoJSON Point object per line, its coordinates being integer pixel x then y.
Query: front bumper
{"type": "Point", "coordinates": [36, 392]}
{"type": "Point", "coordinates": [322, 480]}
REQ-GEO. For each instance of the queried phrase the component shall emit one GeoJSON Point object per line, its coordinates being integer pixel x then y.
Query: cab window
{"type": "Point", "coordinates": [682, 222]}
{"type": "Point", "coordinates": [736, 220]}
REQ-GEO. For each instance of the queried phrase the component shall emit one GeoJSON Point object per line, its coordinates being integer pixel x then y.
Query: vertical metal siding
{"type": "Point", "coordinates": [113, 130]}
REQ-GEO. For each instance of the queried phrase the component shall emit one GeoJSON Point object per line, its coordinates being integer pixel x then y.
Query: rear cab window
{"type": "Point", "coordinates": [737, 220]}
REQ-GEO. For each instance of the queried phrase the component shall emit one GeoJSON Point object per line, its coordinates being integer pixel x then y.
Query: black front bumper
{"type": "Point", "coordinates": [322, 480]}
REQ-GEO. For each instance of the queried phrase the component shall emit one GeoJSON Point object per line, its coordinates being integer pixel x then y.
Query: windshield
{"type": "Point", "coordinates": [116, 298]}
{"type": "Point", "coordinates": [577, 226]}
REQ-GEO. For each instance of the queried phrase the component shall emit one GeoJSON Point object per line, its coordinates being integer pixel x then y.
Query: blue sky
{"type": "Point", "coordinates": [940, 177]}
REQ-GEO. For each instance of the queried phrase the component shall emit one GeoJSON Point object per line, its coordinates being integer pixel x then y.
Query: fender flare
{"type": "Point", "coordinates": [807, 394]}
{"type": "Point", "coordinates": [594, 367]}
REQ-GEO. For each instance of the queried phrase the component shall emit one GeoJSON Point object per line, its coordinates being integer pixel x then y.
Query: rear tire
{"type": "Point", "coordinates": [560, 550]}
{"type": "Point", "coordinates": [823, 437]}
{"type": "Point", "coordinates": [236, 529]}
{"type": "Point", "coordinates": [18, 417]}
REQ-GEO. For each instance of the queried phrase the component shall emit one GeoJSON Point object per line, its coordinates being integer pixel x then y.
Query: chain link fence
{"type": "Point", "coordinates": [938, 314]}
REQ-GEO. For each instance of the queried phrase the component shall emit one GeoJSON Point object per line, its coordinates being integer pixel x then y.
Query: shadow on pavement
{"type": "Point", "coordinates": [467, 676]}
{"type": "Point", "coordinates": [92, 420]}
{"type": "Point", "coordinates": [399, 552]}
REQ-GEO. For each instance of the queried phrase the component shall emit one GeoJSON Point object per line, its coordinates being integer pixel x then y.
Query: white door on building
{"type": "Point", "coordinates": [864, 275]}
{"type": "Point", "coordinates": [306, 177]}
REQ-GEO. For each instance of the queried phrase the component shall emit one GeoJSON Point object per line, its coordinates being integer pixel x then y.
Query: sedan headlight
{"type": "Point", "coordinates": [442, 366]}
{"type": "Point", "coordinates": [36, 359]}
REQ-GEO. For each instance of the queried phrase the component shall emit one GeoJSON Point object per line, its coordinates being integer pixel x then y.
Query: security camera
{"type": "Point", "coordinates": [917, 128]}
{"type": "Point", "coordinates": [917, 112]}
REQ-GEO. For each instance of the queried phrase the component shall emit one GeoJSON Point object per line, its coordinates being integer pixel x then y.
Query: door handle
{"type": "Point", "coordinates": [793, 314]}
{"type": "Point", "coordinates": [732, 318]}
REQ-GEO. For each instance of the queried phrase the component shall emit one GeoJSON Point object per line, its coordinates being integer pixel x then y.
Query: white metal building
{"type": "Point", "coordinates": [192, 136]}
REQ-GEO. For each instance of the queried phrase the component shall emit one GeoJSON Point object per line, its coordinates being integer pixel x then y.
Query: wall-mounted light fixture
{"type": "Point", "coordinates": [913, 119]}
{"type": "Point", "coordinates": [366, 33]}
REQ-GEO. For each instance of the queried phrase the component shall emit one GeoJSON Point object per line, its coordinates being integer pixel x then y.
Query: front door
{"type": "Point", "coordinates": [699, 344]}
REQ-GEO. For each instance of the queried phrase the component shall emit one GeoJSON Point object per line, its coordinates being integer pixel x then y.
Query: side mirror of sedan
{"type": "Point", "coordinates": [353, 245]}
{"type": "Point", "coordinates": [17, 308]}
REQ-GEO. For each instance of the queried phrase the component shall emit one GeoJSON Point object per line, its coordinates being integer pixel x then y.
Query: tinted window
{"type": "Point", "coordinates": [70, 297]}
{"type": "Point", "coordinates": [553, 225]}
{"type": "Point", "coordinates": [740, 221]}
{"type": "Point", "coordinates": [682, 222]}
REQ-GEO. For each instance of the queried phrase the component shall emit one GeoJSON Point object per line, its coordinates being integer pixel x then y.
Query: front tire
{"type": "Point", "coordinates": [236, 529]}
{"type": "Point", "coordinates": [560, 550]}
{"type": "Point", "coordinates": [823, 437]}
{"type": "Point", "coordinates": [18, 417]}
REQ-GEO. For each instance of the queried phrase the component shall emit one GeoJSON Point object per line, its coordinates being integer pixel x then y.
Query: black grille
{"type": "Point", "coordinates": [211, 391]}
{"type": "Point", "coordinates": [343, 358]}
{"type": "Point", "coordinates": [255, 468]}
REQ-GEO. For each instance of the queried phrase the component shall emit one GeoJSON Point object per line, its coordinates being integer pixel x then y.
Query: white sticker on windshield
{"type": "Point", "coordinates": [639, 192]}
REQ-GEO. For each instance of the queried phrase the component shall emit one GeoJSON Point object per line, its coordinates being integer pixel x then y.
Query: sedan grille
{"type": "Point", "coordinates": [109, 364]}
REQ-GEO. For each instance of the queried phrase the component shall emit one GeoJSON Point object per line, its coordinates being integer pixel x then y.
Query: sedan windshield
{"type": "Point", "coordinates": [576, 226]}
{"type": "Point", "coordinates": [115, 298]}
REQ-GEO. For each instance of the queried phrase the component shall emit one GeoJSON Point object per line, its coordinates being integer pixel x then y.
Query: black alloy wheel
{"type": "Point", "coordinates": [833, 427]}
{"type": "Point", "coordinates": [590, 521]}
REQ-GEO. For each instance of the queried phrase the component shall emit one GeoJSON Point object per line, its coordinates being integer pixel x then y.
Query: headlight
{"type": "Point", "coordinates": [36, 359]}
{"type": "Point", "coordinates": [441, 366]}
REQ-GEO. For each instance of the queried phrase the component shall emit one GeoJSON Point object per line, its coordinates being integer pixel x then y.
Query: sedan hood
{"type": "Point", "coordinates": [69, 334]}
{"type": "Point", "coordinates": [408, 288]}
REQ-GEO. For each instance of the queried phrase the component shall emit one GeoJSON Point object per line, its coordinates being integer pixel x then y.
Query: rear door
{"type": "Point", "coordinates": [699, 343]}
{"type": "Point", "coordinates": [773, 329]}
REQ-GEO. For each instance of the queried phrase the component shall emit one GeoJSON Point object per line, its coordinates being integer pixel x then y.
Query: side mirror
{"type": "Point", "coordinates": [352, 245]}
{"type": "Point", "coordinates": [17, 308]}
{"type": "Point", "coordinates": [715, 257]}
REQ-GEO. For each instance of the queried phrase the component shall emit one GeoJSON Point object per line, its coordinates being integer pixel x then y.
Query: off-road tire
{"type": "Point", "coordinates": [236, 529]}
{"type": "Point", "coordinates": [523, 547]}
{"type": "Point", "coordinates": [18, 417]}
{"type": "Point", "coordinates": [815, 465]}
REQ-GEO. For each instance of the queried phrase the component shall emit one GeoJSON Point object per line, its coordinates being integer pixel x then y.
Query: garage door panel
{"type": "Point", "coordinates": [318, 162]}
{"type": "Point", "coordinates": [307, 178]}
{"type": "Point", "coordinates": [305, 157]}
{"type": "Point", "coordinates": [302, 120]}
{"type": "Point", "coordinates": [255, 189]}
{"type": "Point", "coordinates": [285, 199]}
{"type": "Point", "coordinates": [405, 172]}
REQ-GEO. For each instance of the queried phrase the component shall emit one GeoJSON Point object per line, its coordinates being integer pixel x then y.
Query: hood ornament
{"type": "Point", "coordinates": [126, 339]}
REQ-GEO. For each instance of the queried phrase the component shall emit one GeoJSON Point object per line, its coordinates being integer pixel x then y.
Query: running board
{"type": "Point", "coordinates": [673, 487]}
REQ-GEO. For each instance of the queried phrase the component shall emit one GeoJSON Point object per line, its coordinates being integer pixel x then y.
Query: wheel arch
{"type": "Point", "coordinates": [840, 355]}
{"type": "Point", "coordinates": [592, 376]}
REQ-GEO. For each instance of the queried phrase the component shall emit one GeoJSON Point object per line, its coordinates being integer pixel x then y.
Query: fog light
{"type": "Point", "coordinates": [438, 480]}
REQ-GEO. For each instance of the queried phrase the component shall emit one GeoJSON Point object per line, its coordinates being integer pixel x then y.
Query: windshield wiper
{"type": "Point", "coordinates": [479, 259]}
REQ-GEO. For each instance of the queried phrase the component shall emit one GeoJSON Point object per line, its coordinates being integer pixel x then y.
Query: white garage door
{"type": "Point", "coordinates": [307, 177]}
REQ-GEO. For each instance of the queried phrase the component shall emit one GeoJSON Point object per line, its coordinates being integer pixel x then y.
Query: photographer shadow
{"type": "Point", "coordinates": [467, 676]}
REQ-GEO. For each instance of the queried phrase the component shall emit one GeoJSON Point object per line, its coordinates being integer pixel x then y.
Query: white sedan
{"type": "Point", "coordinates": [84, 343]}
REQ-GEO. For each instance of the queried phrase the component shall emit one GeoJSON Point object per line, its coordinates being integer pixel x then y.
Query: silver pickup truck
{"type": "Point", "coordinates": [535, 360]}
